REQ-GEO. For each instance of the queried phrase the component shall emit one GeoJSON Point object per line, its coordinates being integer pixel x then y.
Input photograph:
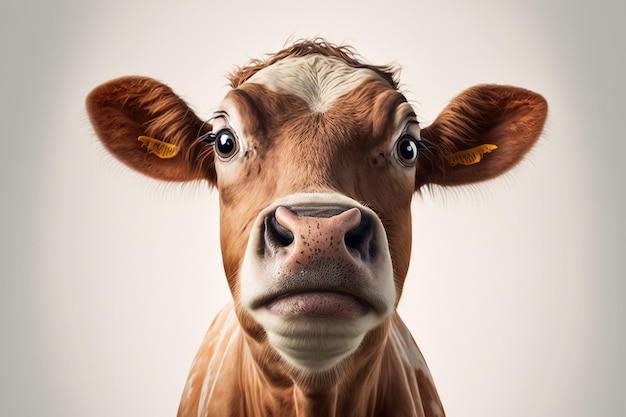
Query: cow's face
{"type": "Point", "coordinates": [315, 164]}
{"type": "Point", "coordinates": [316, 157]}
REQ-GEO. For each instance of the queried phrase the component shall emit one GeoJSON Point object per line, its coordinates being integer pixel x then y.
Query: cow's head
{"type": "Point", "coordinates": [316, 157]}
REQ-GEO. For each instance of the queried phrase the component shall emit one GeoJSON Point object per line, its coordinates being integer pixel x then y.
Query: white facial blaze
{"type": "Point", "coordinates": [318, 80]}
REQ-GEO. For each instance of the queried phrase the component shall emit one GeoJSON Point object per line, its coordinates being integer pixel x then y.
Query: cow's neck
{"type": "Point", "coordinates": [308, 405]}
{"type": "Point", "coordinates": [289, 398]}
{"type": "Point", "coordinates": [228, 378]}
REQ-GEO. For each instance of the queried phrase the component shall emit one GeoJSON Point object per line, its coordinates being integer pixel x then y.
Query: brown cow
{"type": "Point", "coordinates": [315, 156]}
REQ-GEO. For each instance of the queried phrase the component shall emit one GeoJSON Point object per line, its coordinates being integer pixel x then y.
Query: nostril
{"type": "Point", "coordinates": [314, 227]}
{"type": "Point", "coordinates": [361, 239]}
{"type": "Point", "coordinates": [276, 235]}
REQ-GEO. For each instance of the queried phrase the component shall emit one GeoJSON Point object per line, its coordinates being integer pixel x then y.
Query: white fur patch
{"type": "Point", "coordinates": [318, 80]}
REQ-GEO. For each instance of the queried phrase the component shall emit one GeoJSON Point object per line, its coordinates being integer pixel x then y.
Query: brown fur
{"type": "Point", "coordinates": [343, 150]}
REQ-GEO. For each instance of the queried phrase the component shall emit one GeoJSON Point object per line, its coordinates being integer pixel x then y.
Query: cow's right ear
{"type": "Point", "coordinates": [144, 124]}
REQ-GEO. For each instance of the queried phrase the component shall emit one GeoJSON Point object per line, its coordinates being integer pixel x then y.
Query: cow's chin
{"type": "Point", "coordinates": [315, 343]}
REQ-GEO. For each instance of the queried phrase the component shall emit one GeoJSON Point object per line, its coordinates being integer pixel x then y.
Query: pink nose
{"type": "Point", "coordinates": [297, 237]}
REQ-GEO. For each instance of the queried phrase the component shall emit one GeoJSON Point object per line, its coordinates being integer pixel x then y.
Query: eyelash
{"type": "Point", "coordinates": [210, 136]}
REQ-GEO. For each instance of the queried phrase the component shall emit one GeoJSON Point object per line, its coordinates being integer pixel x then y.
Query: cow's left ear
{"type": "Point", "coordinates": [482, 133]}
{"type": "Point", "coordinates": [147, 126]}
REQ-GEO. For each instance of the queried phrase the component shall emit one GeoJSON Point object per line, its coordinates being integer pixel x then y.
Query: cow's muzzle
{"type": "Point", "coordinates": [321, 257]}
{"type": "Point", "coordinates": [317, 274]}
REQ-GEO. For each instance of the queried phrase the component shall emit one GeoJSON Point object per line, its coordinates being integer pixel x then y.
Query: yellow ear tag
{"type": "Point", "coordinates": [161, 149]}
{"type": "Point", "coordinates": [470, 156]}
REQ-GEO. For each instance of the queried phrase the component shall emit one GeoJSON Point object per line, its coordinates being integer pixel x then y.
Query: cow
{"type": "Point", "coordinates": [316, 156]}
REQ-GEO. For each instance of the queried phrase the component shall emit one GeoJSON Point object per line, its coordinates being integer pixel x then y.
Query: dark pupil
{"type": "Point", "coordinates": [225, 143]}
{"type": "Point", "coordinates": [408, 150]}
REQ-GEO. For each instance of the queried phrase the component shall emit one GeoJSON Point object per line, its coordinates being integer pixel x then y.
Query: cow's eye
{"type": "Point", "coordinates": [226, 144]}
{"type": "Point", "coordinates": [407, 150]}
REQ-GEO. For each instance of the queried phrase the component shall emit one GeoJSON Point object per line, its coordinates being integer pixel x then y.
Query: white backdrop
{"type": "Point", "coordinates": [109, 280]}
